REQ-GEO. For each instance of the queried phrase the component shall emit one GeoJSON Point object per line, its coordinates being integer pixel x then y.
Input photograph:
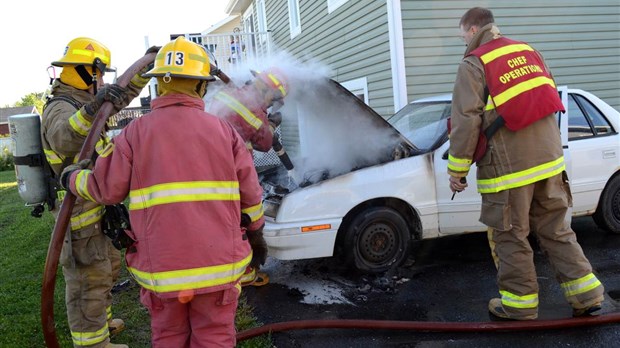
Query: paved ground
{"type": "Point", "coordinates": [451, 280]}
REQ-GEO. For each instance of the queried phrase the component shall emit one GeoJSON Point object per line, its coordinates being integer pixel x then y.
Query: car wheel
{"type": "Point", "coordinates": [607, 215]}
{"type": "Point", "coordinates": [376, 239]}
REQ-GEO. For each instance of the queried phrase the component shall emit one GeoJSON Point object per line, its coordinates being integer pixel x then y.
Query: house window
{"type": "Point", "coordinates": [294, 18]}
{"type": "Point", "coordinates": [332, 5]}
{"type": "Point", "coordinates": [359, 87]}
{"type": "Point", "coordinates": [261, 16]}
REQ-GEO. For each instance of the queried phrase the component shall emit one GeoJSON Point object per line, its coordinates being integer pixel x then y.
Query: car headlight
{"type": "Point", "coordinates": [271, 206]}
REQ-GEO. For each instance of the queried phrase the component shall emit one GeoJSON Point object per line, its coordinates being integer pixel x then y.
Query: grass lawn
{"type": "Point", "coordinates": [23, 248]}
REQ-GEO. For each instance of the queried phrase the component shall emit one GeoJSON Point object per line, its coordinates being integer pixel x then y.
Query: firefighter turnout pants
{"type": "Point", "coordinates": [90, 267]}
{"type": "Point", "coordinates": [543, 207]}
{"type": "Point", "coordinates": [205, 320]}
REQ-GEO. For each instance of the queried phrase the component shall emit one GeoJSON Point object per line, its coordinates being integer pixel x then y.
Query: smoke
{"type": "Point", "coordinates": [325, 129]}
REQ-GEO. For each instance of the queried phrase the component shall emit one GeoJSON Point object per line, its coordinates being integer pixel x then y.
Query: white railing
{"type": "Point", "coordinates": [232, 49]}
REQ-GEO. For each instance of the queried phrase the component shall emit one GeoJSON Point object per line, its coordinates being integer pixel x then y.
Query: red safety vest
{"type": "Point", "coordinates": [520, 86]}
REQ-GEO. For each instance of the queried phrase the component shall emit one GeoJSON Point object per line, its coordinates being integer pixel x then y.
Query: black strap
{"type": "Point", "coordinates": [76, 104]}
{"type": "Point", "coordinates": [33, 160]}
{"type": "Point", "coordinates": [498, 123]}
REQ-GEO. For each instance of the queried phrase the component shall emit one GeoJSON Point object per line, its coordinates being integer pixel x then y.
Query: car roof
{"type": "Point", "coordinates": [448, 97]}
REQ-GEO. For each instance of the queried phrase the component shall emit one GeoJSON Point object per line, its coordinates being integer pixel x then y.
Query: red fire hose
{"type": "Point", "coordinates": [429, 326]}
{"type": "Point", "coordinates": [64, 215]}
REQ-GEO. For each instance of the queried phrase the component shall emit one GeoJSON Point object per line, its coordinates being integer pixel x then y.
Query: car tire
{"type": "Point", "coordinates": [607, 215]}
{"type": "Point", "coordinates": [376, 240]}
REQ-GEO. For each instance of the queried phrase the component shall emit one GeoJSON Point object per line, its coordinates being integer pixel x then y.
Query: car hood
{"type": "Point", "coordinates": [328, 132]}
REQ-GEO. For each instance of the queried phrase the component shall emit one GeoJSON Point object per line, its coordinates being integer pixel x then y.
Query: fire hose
{"type": "Point", "coordinates": [429, 326]}
{"type": "Point", "coordinates": [64, 215]}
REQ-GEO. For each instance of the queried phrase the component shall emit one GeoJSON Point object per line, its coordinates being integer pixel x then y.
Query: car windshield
{"type": "Point", "coordinates": [423, 123]}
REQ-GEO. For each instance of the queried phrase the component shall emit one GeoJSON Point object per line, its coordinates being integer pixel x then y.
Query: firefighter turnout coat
{"type": "Point", "coordinates": [245, 109]}
{"type": "Point", "coordinates": [188, 176]}
{"type": "Point", "coordinates": [501, 168]}
{"type": "Point", "coordinates": [90, 264]}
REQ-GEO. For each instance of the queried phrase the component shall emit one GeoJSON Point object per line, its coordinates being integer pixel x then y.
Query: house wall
{"type": "Point", "coordinates": [580, 41]}
{"type": "Point", "coordinates": [352, 40]}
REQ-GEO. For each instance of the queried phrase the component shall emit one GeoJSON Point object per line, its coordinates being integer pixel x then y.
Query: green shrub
{"type": "Point", "coordinates": [6, 160]}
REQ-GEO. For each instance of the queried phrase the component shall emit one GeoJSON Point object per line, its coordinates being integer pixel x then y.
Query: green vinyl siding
{"type": "Point", "coordinates": [352, 42]}
{"type": "Point", "coordinates": [580, 41]}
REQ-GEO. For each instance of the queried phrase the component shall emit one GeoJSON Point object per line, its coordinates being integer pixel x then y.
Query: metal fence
{"type": "Point", "coordinates": [232, 49]}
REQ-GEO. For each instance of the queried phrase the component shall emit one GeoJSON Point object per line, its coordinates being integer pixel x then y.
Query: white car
{"type": "Point", "coordinates": [370, 212]}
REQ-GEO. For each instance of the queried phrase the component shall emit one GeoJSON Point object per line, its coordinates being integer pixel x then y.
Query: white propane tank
{"type": "Point", "coordinates": [27, 152]}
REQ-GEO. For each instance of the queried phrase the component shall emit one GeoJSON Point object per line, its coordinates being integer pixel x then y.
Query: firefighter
{"type": "Point", "coordinates": [522, 175]}
{"type": "Point", "coordinates": [90, 263]}
{"type": "Point", "coordinates": [189, 179]}
{"type": "Point", "coordinates": [246, 108]}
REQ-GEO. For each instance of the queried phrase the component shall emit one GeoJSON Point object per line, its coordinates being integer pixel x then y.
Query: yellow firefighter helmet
{"type": "Point", "coordinates": [275, 79]}
{"type": "Point", "coordinates": [182, 58]}
{"type": "Point", "coordinates": [80, 53]}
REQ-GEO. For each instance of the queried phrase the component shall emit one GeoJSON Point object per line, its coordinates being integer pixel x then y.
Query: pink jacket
{"type": "Point", "coordinates": [188, 176]}
{"type": "Point", "coordinates": [245, 109]}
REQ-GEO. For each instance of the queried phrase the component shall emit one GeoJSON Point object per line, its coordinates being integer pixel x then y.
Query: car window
{"type": "Point", "coordinates": [578, 125]}
{"type": "Point", "coordinates": [422, 123]}
{"type": "Point", "coordinates": [601, 126]}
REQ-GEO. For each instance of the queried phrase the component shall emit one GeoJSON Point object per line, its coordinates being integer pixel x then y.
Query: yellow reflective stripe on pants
{"type": "Point", "coordinates": [108, 312]}
{"type": "Point", "coordinates": [522, 178]}
{"type": "Point", "coordinates": [190, 191]}
{"type": "Point", "coordinates": [254, 212]}
{"type": "Point", "coordinates": [194, 278]}
{"type": "Point", "coordinates": [87, 218]}
{"type": "Point", "coordinates": [79, 123]}
{"type": "Point", "coordinates": [581, 285]}
{"type": "Point", "coordinates": [90, 338]}
{"type": "Point", "coordinates": [515, 301]}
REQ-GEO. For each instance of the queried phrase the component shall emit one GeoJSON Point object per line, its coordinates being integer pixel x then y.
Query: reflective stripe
{"type": "Point", "coordinates": [239, 108]}
{"type": "Point", "coordinates": [108, 312]}
{"type": "Point", "coordinates": [52, 157]}
{"type": "Point", "coordinates": [496, 53]}
{"type": "Point", "coordinates": [79, 123]}
{"type": "Point", "coordinates": [277, 84]}
{"type": "Point", "coordinates": [90, 338]}
{"type": "Point", "coordinates": [81, 184]}
{"type": "Point", "coordinates": [101, 145]}
{"type": "Point", "coordinates": [191, 191]}
{"type": "Point", "coordinates": [522, 178]}
{"type": "Point", "coordinates": [581, 285]}
{"type": "Point", "coordinates": [458, 164]}
{"type": "Point", "coordinates": [490, 105]}
{"type": "Point", "coordinates": [255, 212]}
{"type": "Point", "coordinates": [194, 278]}
{"type": "Point", "coordinates": [88, 218]}
{"type": "Point", "coordinates": [522, 87]}
{"type": "Point", "coordinates": [107, 151]}
{"type": "Point", "coordinates": [515, 301]}
{"type": "Point", "coordinates": [92, 54]}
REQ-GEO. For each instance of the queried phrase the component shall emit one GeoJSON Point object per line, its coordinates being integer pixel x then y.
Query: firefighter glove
{"type": "Point", "coordinates": [275, 118]}
{"type": "Point", "coordinates": [109, 92]}
{"type": "Point", "coordinates": [259, 247]}
{"type": "Point", "coordinates": [66, 173]}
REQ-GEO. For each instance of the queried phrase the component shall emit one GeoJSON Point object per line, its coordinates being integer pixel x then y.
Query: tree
{"type": "Point", "coordinates": [33, 98]}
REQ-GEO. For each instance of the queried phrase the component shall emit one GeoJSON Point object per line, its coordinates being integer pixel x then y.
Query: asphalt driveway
{"type": "Point", "coordinates": [451, 280]}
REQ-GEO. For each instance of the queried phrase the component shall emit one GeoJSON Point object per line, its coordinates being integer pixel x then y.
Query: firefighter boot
{"type": "Point", "coordinates": [496, 308]}
{"type": "Point", "coordinates": [116, 326]}
{"type": "Point", "coordinates": [590, 311]}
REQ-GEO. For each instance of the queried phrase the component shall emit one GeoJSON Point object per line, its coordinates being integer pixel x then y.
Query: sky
{"type": "Point", "coordinates": [40, 30]}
